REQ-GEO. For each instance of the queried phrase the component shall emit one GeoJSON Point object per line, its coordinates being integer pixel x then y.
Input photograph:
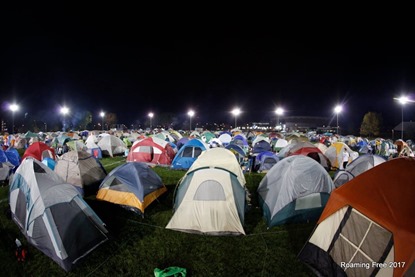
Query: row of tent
{"type": "Point", "coordinates": [212, 199]}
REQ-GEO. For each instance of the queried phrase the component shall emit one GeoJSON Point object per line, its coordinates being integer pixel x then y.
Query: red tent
{"type": "Point", "coordinates": [39, 150]}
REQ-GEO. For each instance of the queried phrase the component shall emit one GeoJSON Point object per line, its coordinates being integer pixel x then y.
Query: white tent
{"type": "Point", "coordinates": [111, 145]}
{"type": "Point", "coordinates": [211, 197]}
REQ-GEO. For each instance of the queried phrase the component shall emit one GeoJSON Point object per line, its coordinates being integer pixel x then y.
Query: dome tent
{"type": "Point", "coordinates": [295, 189]}
{"type": "Point", "coordinates": [52, 214]}
{"type": "Point", "coordinates": [367, 221]}
{"type": "Point", "coordinates": [133, 185]}
{"type": "Point", "coordinates": [211, 197]}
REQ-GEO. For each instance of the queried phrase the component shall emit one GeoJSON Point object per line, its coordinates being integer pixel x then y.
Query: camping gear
{"type": "Point", "coordinates": [81, 169]}
{"type": "Point", "coordinates": [39, 150]}
{"type": "Point", "coordinates": [52, 214]}
{"type": "Point", "coordinates": [111, 145]}
{"type": "Point", "coordinates": [295, 189]}
{"type": "Point", "coordinates": [335, 154]}
{"type": "Point", "coordinates": [211, 197]}
{"type": "Point", "coordinates": [151, 150]}
{"type": "Point", "coordinates": [264, 161]}
{"type": "Point", "coordinates": [357, 167]}
{"type": "Point", "coordinates": [132, 185]}
{"type": "Point", "coordinates": [367, 227]}
{"type": "Point", "coordinates": [188, 153]}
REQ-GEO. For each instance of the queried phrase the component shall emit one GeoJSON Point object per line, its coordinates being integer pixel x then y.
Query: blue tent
{"type": "Point", "coordinates": [238, 151]}
{"type": "Point", "coordinates": [13, 156]}
{"type": "Point", "coordinates": [265, 160]}
{"type": "Point", "coordinates": [188, 153]}
{"type": "Point", "coordinates": [241, 141]}
{"type": "Point", "coordinates": [261, 146]}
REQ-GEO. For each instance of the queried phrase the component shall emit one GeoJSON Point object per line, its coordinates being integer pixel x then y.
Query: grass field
{"type": "Point", "coordinates": [138, 245]}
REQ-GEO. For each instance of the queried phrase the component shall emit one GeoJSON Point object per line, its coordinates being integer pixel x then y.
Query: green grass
{"type": "Point", "coordinates": [138, 245]}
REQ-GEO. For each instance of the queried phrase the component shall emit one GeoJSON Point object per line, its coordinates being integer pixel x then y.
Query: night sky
{"type": "Point", "coordinates": [129, 63]}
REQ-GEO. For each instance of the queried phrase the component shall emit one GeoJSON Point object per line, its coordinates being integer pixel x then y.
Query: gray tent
{"type": "Point", "coordinates": [81, 169]}
{"type": "Point", "coordinates": [295, 189]}
{"type": "Point", "coordinates": [52, 214]}
{"type": "Point", "coordinates": [357, 167]}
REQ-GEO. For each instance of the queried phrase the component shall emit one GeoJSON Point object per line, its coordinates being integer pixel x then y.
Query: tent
{"type": "Point", "coordinates": [211, 197]}
{"type": "Point", "coordinates": [261, 146]}
{"type": "Point", "coordinates": [188, 153]}
{"type": "Point", "coordinates": [207, 136]}
{"type": "Point", "coordinates": [264, 161]}
{"type": "Point", "coordinates": [77, 145]}
{"type": "Point", "coordinates": [280, 144]}
{"type": "Point", "coordinates": [132, 185]}
{"type": "Point", "coordinates": [13, 156]}
{"type": "Point", "coordinates": [241, 141]}
{"type": "Point", "coordinates": [111, 145]}
{"type": "Point", "coordinates": [151, 150]}
{"type": "Point", "coordinates": [52, 214]}
{"type": "Point", "coordinates": [6, 167]}
{"type": "Point", "coordinates": [367, 227]}
{"type": "Point", "coordinates": [39, 150]}
{"type": "Point", "coordinates": [357, 167]}
{"type": "Point", "coordinates": [296, 189]}
{"type": "Point", "coordinates": [9, 161]}
{"type": "Point", "coordinates": [225, 138]}
{"type": "Point", "coordinates": [306, 148]}
{"type": "Point", "coordinates": [238, 152]}
{"type": "Point", "coordinates": [335, 154]}
{"type": "Point", "coordinates": [81, 169]}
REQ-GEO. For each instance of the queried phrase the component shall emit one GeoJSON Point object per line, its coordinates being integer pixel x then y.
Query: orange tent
{"type": "Point", "coordinates": [368, 225]}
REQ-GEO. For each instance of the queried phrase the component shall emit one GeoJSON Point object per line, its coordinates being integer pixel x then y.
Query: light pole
{"type": "Point", "coordinates": [403, 100]}
{"type": "Point", "coordinates": [150, 115]}
{"type": "Point", "coordinates": [236, 112]}
{"type": "Point", "coordinates": [64, 111]}
{"type": "Point", "coordinates": [338, 109]}
{"type": "Point", "coordinates": [102, 114]}
{"type": "Point", "coordinates": [190, 113]}
{"type": "Point", "coordinates": [13, 108]}
{"type": "Point", "coordinates": [279, 111]}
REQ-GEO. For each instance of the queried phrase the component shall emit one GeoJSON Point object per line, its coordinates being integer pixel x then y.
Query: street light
{"type": "Point", "coordinates": [236, 112]}
{"type": "Point", "coordinates": [102, 114]}
{"type": "Point", "coordinates": [64, 111]}
{"type": "Point", "coordinates": [151, 117]}
{"type": "Point", "coordinates": [338, 109]}
{"type": "Point", "coordinates": [190, 114]}
{"type": "Point", "coordinates": [13, 108]}
{"type": "Point", "coordinates": [403, 100]}
{"type": "Point", "coordinates": [279, 111]}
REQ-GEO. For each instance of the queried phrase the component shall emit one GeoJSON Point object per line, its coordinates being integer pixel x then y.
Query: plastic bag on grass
{"type": "Point", "coordinates": [173, 271]}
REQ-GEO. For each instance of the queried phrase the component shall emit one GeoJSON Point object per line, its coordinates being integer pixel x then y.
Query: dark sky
{"type": "Point", "coordinates": [129, 63]}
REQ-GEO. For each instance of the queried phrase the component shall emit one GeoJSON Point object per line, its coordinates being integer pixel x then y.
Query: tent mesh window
{"type": "Point", "coordinates": [210, 190]}
{"type": "Point", "coordinates": [360, 241]}
{"type": "Point", "coordinates": [187, 152]}
{"type": "Point", "coordinates": [270, 162]}
{"type": "Point", "coordinates": [342, 178]}
{"type": "Point", "coordinates": [197, 152]}
{"type": "Point", "coordinates": [38, 169]}
{"type": "Point", "coordinates": [115, 184]}
{"type": "Point", "coordinates": [47, 154]}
